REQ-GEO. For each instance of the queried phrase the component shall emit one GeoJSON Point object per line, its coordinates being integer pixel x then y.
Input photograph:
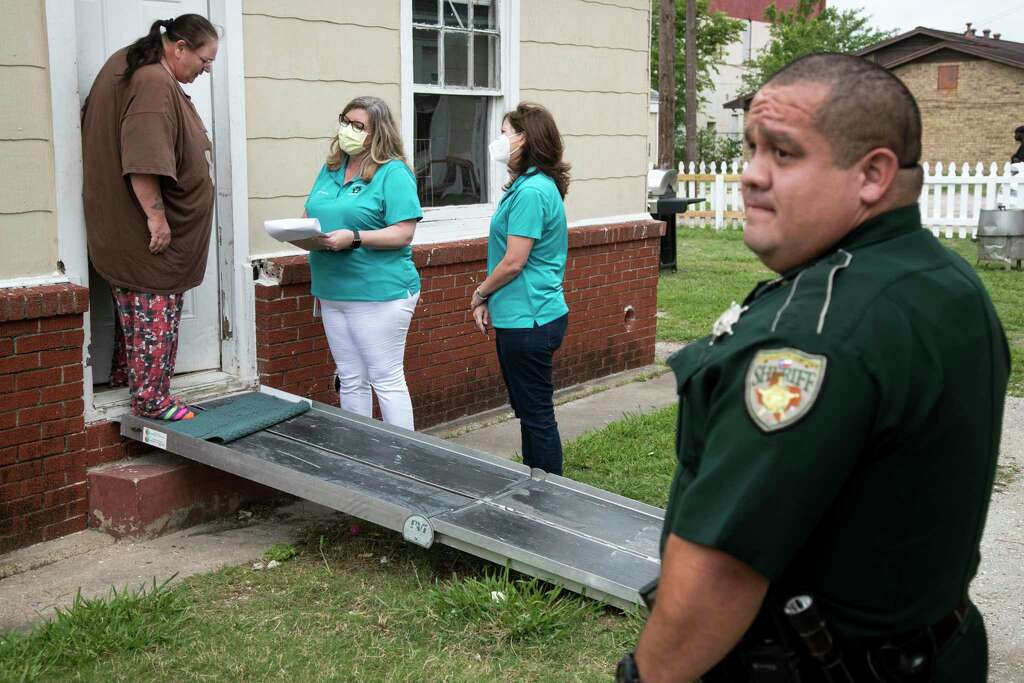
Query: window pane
{"type": "Point", "coordinates": [456, 13]}
{"type": "Point", "coordinates": [425, 12]}
{"type": "Point", "coordinates": [450, 149]}
{"type": "Point", "coordinates": [485, 61]}
{"type": "Point", "coordinates": [949, 75]}
{"type": "Point", "coordinates": [424, 56]}
{"type": "Point", "coordinates": [456, 59]}
{"type": "Point", "coordinates": [484, 14]}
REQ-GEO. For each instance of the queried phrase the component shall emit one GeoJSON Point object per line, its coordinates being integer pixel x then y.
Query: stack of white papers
{"type": "Point", "coordinates": [290, 229]}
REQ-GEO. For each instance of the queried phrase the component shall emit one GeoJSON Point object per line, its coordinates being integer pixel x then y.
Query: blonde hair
{"type": "Point", "coordinates": [386, 143]}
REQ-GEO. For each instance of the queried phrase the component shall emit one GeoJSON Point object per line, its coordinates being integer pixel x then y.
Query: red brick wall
{"type": "Point", "coordinates": [42, 482]}
{"type": "Point", "coordinates": [45, 446]}
{"type": "Point", "coordinates": [451, 369]}
{"type": "Point", "coordinates": [755, 9]}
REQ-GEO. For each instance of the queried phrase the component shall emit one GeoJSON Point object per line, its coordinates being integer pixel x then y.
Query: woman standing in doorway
{"type": "Point", "coordinates": [522, 295]}
{"type": "Point", "coordinates": [148, 199]}
{"type": "Point", "coordinates": [362, 270]}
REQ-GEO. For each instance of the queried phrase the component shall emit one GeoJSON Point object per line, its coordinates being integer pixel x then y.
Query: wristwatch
{"type": "Point", "coordinates": [627, 672]}
{"type": "Point", "coordinates": [357, 241]}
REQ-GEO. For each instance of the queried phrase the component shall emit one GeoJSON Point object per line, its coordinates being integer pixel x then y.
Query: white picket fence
{"type": "Point", "coordinates": [950, 200]}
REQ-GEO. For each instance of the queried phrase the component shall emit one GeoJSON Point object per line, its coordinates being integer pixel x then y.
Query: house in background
{"type": "Point", "coordinates": [728, 83]}
{"type": "Point", "coordinates": [969, 87]}
{"type": "Point", "coordinates": [449, 70]}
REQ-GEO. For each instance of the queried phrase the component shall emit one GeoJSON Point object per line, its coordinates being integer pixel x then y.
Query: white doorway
{"type": "Point", "coordinates": [103, 27]}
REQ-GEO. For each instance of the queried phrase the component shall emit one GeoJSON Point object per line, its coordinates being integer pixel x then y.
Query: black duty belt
{"type": "Point", "coordinates": [910, 656]}
{"type": "Point", "coordinates": [947, 626]}
{"type": "Point", "coordinates": [939, 633]}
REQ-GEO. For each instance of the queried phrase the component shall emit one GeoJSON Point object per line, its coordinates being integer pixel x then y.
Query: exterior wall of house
{"type": "Point", "coordinates": [28, 218]}
{"type": "Point", "coordinates": [976, 121]}
{"type": "Point", "coordinates": [304, 60]}
{"type": "Point", "coordinates": [588, 62]}
{"type": "Point", "coordinates": [45, 445]}
{"type": "Point", "coordinates": [751, 9]}
{"type": "Point", "coordinates": [652, 132]}
{"type": "Point", "coordinates": [452, 370]}
{"type": "Point", "coordinates": [728, 84]}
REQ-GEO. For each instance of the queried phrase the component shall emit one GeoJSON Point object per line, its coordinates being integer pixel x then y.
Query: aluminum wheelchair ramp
{"type": "Point", "coordinates": [591, 541]}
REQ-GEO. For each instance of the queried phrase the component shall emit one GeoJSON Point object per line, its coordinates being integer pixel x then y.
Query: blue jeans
{"type": "Point", "coordinates": [525, 356]}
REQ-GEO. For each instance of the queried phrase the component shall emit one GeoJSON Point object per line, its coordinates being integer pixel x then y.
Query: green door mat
{"type": "Point", "coordinates": [238, 417]}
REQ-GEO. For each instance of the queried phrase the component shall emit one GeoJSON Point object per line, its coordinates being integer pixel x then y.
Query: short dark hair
{"type": "Point", "coordinates": [867, 107]}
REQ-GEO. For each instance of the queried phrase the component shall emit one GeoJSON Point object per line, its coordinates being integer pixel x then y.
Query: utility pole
{"type": "Point", "coordinates": [691, 81]}
{"type": "Point", "coordinates": [667, 85]}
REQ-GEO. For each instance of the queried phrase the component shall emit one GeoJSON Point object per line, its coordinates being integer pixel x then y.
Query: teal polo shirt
{"type": "Point", "coordinates": [364, 274]}
{"type": "Point", "coordinates": [532, 207]}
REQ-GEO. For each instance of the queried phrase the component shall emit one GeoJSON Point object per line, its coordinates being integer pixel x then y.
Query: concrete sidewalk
{"type": "Point", "coordinates": [34, 580]}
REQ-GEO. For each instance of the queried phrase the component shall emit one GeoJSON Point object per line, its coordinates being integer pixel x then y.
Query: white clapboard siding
{"type": "Point", "coordinates": [951, 199]}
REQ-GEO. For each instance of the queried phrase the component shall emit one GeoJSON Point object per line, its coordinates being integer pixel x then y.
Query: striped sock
{"type": "Point", "coordinates": [176, 412]}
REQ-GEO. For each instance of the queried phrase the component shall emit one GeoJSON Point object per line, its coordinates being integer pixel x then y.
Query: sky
{"type": "Point", "coordinates": [1002, 16]}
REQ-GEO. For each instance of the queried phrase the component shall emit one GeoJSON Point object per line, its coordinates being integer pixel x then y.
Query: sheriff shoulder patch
{"type": "Point", "coordinates": [782, 385]}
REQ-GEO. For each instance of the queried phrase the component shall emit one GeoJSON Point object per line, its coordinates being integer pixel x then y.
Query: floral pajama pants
{"type": "Point", "coordinates": [145, 348]}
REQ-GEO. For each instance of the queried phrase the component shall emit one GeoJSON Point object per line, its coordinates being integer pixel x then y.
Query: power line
{"type": "Point", "coordinates": [1000, 15]}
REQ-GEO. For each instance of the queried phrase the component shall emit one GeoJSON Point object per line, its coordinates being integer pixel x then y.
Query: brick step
{"type": "Point", "coordinates": [158, 493]}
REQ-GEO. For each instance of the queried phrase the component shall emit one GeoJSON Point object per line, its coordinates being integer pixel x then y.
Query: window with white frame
{"type": "Point", "coordinates": [456, 82]}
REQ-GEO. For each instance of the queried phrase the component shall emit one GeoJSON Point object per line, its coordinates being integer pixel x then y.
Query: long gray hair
{"type": "Point", "coordinates": [386, 143]}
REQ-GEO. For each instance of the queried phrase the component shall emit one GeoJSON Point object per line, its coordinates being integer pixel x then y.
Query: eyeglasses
{"type": "Point", "coordinates": [207, 63]}
{"type": "Point", "coordinates": [358, 125]}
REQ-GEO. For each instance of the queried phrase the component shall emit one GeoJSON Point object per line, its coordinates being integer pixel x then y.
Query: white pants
{"type": "Point", "coordinates": [367, 340]}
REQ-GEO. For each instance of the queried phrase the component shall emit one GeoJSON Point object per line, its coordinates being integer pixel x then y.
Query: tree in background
{"type": "Point", "coordinates": [718, 149]}
{"type": "Point", "coordinates": [800, 31]}
{"type": "Point", "coordinates": [690, 106]}
{"type": "Point", "coordinates": [667, 126]}
{"type": "Point", "coordinates": [715, 31]}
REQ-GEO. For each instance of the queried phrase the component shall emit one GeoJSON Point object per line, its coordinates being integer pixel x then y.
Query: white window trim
{"type": "Point", "coordinates": [507, 98]}
{"type": "Point", "coordinates": [238, 348]}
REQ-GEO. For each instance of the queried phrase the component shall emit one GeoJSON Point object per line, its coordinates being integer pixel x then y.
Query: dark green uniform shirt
{"type": "Point", "coordinates": [842, 440]}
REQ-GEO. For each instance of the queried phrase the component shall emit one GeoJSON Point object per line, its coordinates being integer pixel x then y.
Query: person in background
{"type": "Point", "coordinates": [362, 271]}
{"type": "Point", "coordinates": [522, 295]}
{"type": "Point", "coordinates": [148, 196]}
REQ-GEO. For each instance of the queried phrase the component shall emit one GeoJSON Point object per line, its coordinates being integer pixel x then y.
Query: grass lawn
{"type": "Point", "coordinates": [716, 269]}
{"type": "Point", "coordinates": [357, 603]}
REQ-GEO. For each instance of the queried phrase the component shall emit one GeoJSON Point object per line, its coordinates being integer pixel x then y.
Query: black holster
{"type": "Point", "coordinates": [767, 653]}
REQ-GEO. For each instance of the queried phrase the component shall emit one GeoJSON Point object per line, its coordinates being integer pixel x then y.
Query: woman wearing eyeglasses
{"type": "Point", "coordinates": [148, 199]}
{"type": "Point", "coordinates": [362, 271]}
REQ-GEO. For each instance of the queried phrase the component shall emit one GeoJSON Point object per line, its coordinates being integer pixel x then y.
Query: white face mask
{"type": "Point", "coordinates": [351, 140]}
{"type": "Point", "coordinates": [500, 149]}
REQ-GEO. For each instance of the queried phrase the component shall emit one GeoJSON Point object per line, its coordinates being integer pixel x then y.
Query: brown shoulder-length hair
{"type": "Point", "coordinates": [542, 144]}
{"type": "Point", "coordinates": [386, 143]}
